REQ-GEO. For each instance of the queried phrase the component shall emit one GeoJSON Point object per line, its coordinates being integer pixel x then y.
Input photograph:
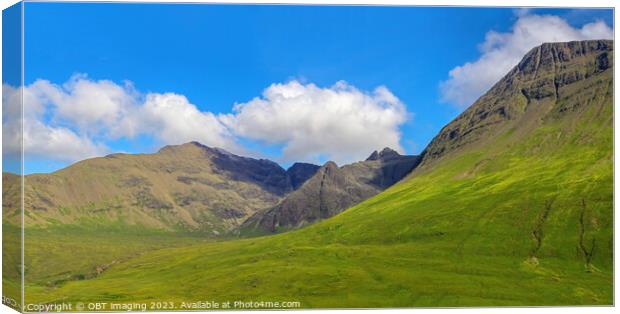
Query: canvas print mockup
{"type": "Point", "coordinates": [248, 157]}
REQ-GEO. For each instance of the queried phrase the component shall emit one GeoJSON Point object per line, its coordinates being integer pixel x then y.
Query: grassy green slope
{"type": "Point", "coordinates": [64, 253]}
{"type": "Point", "coordinates": [525, 219]}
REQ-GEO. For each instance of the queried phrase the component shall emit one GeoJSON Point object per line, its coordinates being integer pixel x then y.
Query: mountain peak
{"type": "Point", "coordinates": [385, 153]}
{"type": "Point", "coordinates": [330, 165]}
{"type": "Point", "coordinates": [193, 147]}
{"type": "Point", "coordinates": [546, 84]}
{"type": "Point", "coordinates": [548, 56]}
{"type": "Point", "coordinates": [183, 147]}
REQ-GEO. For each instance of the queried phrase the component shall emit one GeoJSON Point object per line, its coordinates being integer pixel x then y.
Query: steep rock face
{"type": "Point", "coordinates": [332, 190]}
{"type": "Point", "coordinates": [181, 187]}
{"type": "Point", "coordinates": [542, 83]}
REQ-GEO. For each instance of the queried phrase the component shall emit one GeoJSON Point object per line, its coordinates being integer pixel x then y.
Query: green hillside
{"type": "Point", "coordinates": [512, 205]}
{"type": "Point", "coordinates": [184, 188]}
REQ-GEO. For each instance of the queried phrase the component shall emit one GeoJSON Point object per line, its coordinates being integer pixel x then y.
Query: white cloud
{"type": "Point", "coordinates": [340, 123]}
{"type": "Point", "coordinates": [502, 51]}
{"type": "Point", "coordinates": [174, 120]}
{"type": "Point", "coordinates": [40, 140]}
{"type": "Point", "coordinates": [89, 105]}
{"type": "Point", "coordinates": [72, 121]}
{"type": "Point", "coordinates": [58, 143]}
{"type": "Point", "coordinates": [95, 109]}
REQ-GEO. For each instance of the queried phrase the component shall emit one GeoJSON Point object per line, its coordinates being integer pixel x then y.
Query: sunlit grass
{"type": "Point", "coordinates": [519, 222]}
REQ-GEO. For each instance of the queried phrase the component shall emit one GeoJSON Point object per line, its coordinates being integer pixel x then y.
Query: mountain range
{"type": "Point", "coordinates": [511, 204]}
{"type": "Point", "coordinates": [196, 188]}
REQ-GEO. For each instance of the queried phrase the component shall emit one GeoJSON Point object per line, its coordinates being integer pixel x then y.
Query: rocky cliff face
{"type": "Point", "coordinates": [331, 190]}
{"type": "Point", "coordinates": [543, 82]}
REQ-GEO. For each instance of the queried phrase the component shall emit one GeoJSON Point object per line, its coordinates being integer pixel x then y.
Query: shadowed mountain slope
{"type": "Point", "coordinates": [300, 172]}
{"type": "Point", "coordinates": [332, 190]}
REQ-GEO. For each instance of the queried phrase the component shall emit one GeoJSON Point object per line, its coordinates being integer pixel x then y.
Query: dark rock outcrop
{"type": "Point", "coordinates": [385, 154]}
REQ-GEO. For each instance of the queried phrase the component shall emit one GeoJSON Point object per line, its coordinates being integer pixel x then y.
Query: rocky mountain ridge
{"type": "Point", "coordinates": [331, 190]}
{"type": "Point", "coordinates": [188, 187]}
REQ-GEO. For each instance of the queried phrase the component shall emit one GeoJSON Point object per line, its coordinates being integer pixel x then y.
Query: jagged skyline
{"type": "Point", "coordinates": [267, 93]}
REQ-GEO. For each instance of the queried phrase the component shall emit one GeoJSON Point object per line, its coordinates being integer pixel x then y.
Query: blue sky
{"type": "Point", "coordinates": [220, 55]}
